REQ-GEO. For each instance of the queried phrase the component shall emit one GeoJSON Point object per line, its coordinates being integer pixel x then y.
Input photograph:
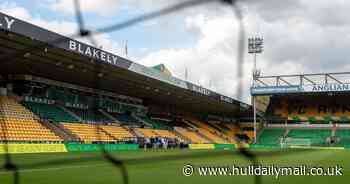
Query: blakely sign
{"type": "Point", "coordinates": [6, 22]}
{"type": "Point", "coordinates": [92, 52]}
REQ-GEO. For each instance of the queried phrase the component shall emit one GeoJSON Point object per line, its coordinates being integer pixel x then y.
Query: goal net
{"type": "Point", "coordinates": [288, 142]}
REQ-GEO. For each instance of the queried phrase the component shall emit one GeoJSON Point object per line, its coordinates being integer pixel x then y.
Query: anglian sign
{"type": "Point", "coordinates": [327, 87]}
{"type": "Point", "coordinates": [300, 89]}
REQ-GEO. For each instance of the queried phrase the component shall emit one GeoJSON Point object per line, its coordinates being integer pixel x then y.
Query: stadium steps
{"type": "Point", "coordinates": [109, 116]}
{"type": "Point", "coordinates": [230, 134]}
{"type": "Point", "coordinates": [118, 132]}
{"type": "Point", "coordinates": [192, 135]}
{"type": "Point", "coordinates": [67, 131]}
{"type": "Point", "coordinates": [190, 124]}
{"type": "Point", "coordinates": [127, 119]}
{"type": "Point", "coordinates": [59, 131]}
{"type": "Point", "coordinates": [141, 120]}
{"type": "Point", "coordinates": [71, 113]}
{"type": "Point", "coordinates": [137, 132]}
{"type": "Point", "coordinates": [108, 133]}
{"type": "Point", "coordinates": [147, 132]}
{"type": "Point", "coordinates": [133, 132]}
{"type": "Point", "coordinates": [195, 128]}
{"type": "Point", "coordinates": [166, 133]}
{"type": "Point", "coordinates": [158, 123]}
{"type": "Point", "coordinates": [210, 132]}
{"type": "Point", "coordinates": [88, 133]}
{"type": "Point", "coordinates": [90, 115]}
{"type": "Point", "coordinates": [177, 133]}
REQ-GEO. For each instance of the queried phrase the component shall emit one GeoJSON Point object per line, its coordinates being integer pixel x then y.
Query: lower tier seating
{"type": "Point", "coordinates": [316, 136]}
{"type": "Point", "coordinates": [117, 131]}
{"type": "Point", "coordinates": [156, 133]}
{"type": "Point", "coordinates": [166, 133]}
{"type": "Point", "coordinates": [147, 132]}
{"type": "Point", "coordinates": [344, 137]}
{"type": "Point", "coordinates": [19, 124]}
{"type": "Point", "coordinates": [210, 132]}
{"type": "Point", "coordinates": [88, 133]}
{"type": "Point", "coordinates": [25, 130]}
{"type": "Point", "coordinates": [271, 136]}
{"type": "Point", "coordinates": [191, 135]}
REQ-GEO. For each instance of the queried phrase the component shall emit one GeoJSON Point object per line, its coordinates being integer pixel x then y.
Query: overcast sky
{"type": "Point", "coordinates": [301, 36]}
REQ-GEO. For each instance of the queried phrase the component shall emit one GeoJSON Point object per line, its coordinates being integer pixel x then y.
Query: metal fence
{"type": "Point", "coordinates": [122, 164]}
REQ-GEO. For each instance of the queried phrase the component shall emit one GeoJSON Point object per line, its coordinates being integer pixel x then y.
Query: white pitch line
{"type": "Point", "coordinates": [53, 168]}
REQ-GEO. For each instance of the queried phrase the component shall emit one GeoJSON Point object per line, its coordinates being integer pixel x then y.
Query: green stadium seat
{"type": "Point", "coordinates": [53, 112]}
{"type": "Point", "coordinates": [270, 136]}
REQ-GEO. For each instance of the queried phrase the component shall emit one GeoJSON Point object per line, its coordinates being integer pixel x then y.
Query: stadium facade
{"type": "Point", "coordinates": [57, 89]}
{"type": "Point", "coordinates": [307, 109]}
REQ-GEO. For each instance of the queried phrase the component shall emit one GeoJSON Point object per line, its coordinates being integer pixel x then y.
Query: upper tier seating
{"type": "Point", "coordinates": [157, 124]}
{"type": "Point", "coordinates": [88, 133]}
{"type": "Point", "coordinates": [90, 115]}
{"type": "Point", "coordinates": [126, 119]}
{"type": "Point", "coordinates": [191, 135]}
{"type": "Point", "coordinates": [53, 112]}
{"type": "Point", "coordinates": [314, 111]}
{"type": "Point", "coordinates": [19, 124]}
{"type": "Point", "coordinates": [270, 136]}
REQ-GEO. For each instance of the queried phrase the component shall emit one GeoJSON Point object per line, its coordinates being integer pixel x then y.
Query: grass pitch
{"type": "Point", "coordinates": [165, 167]}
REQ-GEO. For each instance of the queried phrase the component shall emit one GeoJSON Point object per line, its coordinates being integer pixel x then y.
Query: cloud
{"type": "Point", "coordinates": [63, 27]}
{"type": "Point", "coordinates": [211, 62]}
{"type": "Point", "coordinates": [301, 36]}
{"type": "Point", "coordinates": [100, 7]}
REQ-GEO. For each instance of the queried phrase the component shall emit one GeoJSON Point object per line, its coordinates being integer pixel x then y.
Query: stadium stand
{"type": "Point", "coordinates": [50, 111]}
{"type": "Point", "coordinates": [117, 131]}
{"type": "Point", "coordinates": [89, 115]}
{"type": "Point", "coordinates": [166, 133]}
{"type": "Point", "coordinates": [270, 136]}
{"type": "Point", "coordinates": [88, 133]}
{"type": "Point", "coordinates": [147, 132]}
{"type": "Point", "coordinates": [157, 123]}
{"type": "Point", "coordinates": [209, 132]}
{"type": "Point", "coordinates": [19, 124]}
{"type": "Point", "coordinates": [316, 136]}
{"type": "Point", "coordinates": [191, 135]}
{"type": "Point", "coordinates": [344, 137]}
{"type": "Point", "coordinates": [126, 119]}
{"type": "Point", "coordinates": [157, 133]}
{"type": "Point", "coordinates": [316, 111]}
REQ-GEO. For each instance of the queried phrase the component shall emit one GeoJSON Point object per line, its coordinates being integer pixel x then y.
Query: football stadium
{"type": "Point", "coordinates": [74, 113]}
